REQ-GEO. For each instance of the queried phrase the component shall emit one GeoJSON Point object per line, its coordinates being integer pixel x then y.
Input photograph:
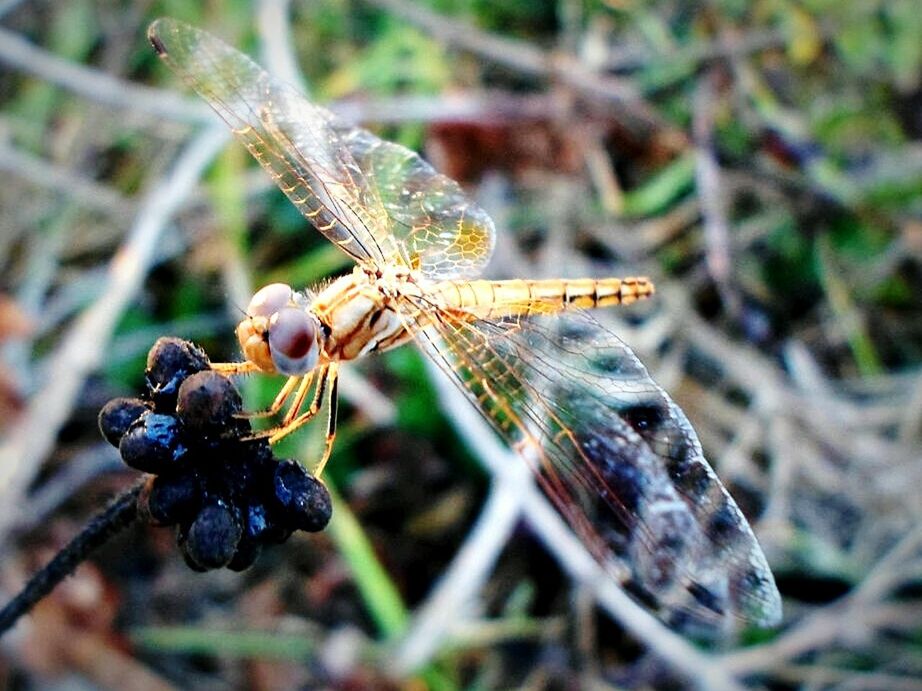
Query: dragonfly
{"type": "Point", "coordinates": [614, 454]}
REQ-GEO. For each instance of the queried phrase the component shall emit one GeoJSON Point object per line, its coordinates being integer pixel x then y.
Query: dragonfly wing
{"type": "Point", "coordinates": [616, 456]}
{"type": "Point", "coordinates": [377, 200]}
{"type": "Point", "coordinates": [293, 139]}
{"type": "Point", "coordinates": [439, 229]}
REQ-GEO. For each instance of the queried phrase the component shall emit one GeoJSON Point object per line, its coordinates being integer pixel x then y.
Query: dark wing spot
{"type": "Point", "coordinates": [691, 477]}
{"type": "Point", "coordinates": [724, 523]}
{"type": "Point", "coordinates": [614, 364]}
{"type": "Point", "coordinates": [753, 581]}
{"type": "Point", "coordinates": [692, 623]}
{"type": "Point", "coordinates": [672, 528]}
{"type": "Point", "coordinates": [644, 417]}
{"type": "Point", "coordinates": [656, 426]}
{"type": "Point", "coordinates": [624, 483]}
{"type": "Point", "coordinates": [617, 537]}
{"type": "Point", "coordinates": [573, 331]}
{"type": "Point", "coordinates": [706, 598]}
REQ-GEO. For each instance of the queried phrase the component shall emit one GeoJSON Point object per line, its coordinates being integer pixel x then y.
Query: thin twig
{"type": "Point", "coordinates": [121, 513]}
{"type": "Point", "coordinates": [84, 191]}
{"type": "Point", "coordinates": [626, 104]}
{"type": "Point", "coordinates": [698, 53]}
{"type": "Point", "coordinates": [488, 106]}
{"type": "Point", "coordinates": [278, 55]}
{"type": "Point", "coordinates": [712, 194]}
{"type": "Point", "coordinates": [69, 480]}
{"type": "Point", "coordinates": [98, 86]}
{"type": "Point", "coordinates": [83, 348]}
{"type": "Point", "coordinates": [438, 617]}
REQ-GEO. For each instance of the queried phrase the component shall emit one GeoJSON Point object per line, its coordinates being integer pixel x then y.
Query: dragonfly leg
{"type": "Point", "coordinates": [277, 404]}
{"type": "Point", "coordinates": [331, 422]}
{"type": "Point", "coordinates": [300, 397]}
{"type": "Point", "coordinates": [289, 426]}
{"type": "Point", "coordinates": [246, 367]}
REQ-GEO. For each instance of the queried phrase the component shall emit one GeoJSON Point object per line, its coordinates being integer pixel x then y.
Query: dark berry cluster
{"type": "Point", "coordinates": [224, 489]}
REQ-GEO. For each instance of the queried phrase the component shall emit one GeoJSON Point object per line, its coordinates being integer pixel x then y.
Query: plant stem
{"type": "Point", "coordinates": [121, 513]}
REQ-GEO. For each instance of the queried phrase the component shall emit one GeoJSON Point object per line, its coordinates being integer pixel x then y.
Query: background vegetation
{"type": "Point", "coordinates": [761, 161]}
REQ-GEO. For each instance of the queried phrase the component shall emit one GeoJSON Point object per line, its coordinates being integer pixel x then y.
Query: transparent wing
{"type": "Point", "coordinates": [442, 232]}
{"type": "Point", "coordinates": [378, 201]}
{"type": "Point", "coordinates": [616, 456]}
{"type": "Point", "coordinates": [291, 138]}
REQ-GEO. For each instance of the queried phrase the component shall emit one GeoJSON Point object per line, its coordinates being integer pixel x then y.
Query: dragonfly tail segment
{"type": "Point", "coordinates": [497, 299]}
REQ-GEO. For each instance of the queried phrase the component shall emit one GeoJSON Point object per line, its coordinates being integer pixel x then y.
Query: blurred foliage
{"type": "Point", "coordinates": [815, 111]}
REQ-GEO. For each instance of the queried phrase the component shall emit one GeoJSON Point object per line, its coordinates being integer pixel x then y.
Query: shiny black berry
{"type": "Point", "coordinates": [167, 499]}
{"type": "Point", "coordinates": [208, 403]}
{"type": "Point", "coordinates": [224, 488]}
{"type": "Point", "coordinates": [264, 527]}
{"type": "Point", "coordinates": [248, 551]}
{"type": "Point", "coordinates": [117, 416]}
{"type": "Point", "coordinates": [211, 540]}
{"type": "Point", "coordinates": [153, 444]}
{"type": "Point", "coordinates": [303, 500]}
{"type": "Point", "coordinates": [169, 362]}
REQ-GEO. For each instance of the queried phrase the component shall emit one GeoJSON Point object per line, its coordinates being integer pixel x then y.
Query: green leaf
{"type": "Point", "coordinates": [241, 644]}
{"type": "Point", "coordinates": [904, 52]}
{"type": "Point", "coordinates": [860, 42]}
{"type": "Point", "coordinates": [848, 319]}
{"type": "Point", "coordinates": [663, 189]}
{"type": "Point", "coordinates": [378, 591]}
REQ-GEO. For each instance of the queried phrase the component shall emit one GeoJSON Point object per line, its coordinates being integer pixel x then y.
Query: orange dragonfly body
{"type": "Point", "coordinates": [612, 451]}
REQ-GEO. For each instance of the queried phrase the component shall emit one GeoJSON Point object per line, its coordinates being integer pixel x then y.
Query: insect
{"type": "Point", "coordinates": [612, 451]}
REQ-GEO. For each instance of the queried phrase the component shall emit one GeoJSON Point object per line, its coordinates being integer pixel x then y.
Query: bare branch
{"type": "Point", "coordinates": [97, 86]}
{"type": "Point", "coordinates": [83, 347]}
{"type": "Point", "coordinates": [86, 192]}
{"type": "Point", "coordinates": [452, 600]}
{"type": "Point", "coordinates": [626, 104]}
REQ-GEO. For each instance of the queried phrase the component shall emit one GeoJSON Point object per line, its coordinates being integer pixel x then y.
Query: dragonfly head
{"type": "Point", "coordinates": [278, 334]}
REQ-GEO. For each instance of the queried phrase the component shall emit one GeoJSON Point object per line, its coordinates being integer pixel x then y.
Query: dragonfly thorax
{"type": "Point", "coordinates": [358, 314]}
{"type": "Point", "coordinates": [288, 333]}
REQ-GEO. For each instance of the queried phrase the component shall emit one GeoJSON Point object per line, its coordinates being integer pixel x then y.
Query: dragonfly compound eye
{"type": "Point", "coordinates": [293, 341]}
{"type": "Point", "coordinates": [269, 300]}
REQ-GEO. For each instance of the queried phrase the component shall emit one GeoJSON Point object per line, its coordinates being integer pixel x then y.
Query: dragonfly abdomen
{"type": "Point", "coordinates": [495, 299]}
